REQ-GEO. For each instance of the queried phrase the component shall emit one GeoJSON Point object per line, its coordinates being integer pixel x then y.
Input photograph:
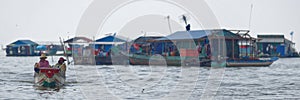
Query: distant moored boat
{"type": "Point", "coordinates": [251, 62]}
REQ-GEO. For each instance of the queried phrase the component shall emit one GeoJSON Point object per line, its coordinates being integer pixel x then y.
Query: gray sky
{"type": "Point", "coordinates": [47, 20]}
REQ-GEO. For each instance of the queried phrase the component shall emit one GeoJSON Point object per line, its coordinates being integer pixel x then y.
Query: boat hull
{"type": "Point", "coordinates": [248, 64]}
{"type": "Point", "coordinates": [49, 77]}
{"type": "Point", "coordinates": [262, 62]}
{"type": "Point", "coordinates": [167, 60]}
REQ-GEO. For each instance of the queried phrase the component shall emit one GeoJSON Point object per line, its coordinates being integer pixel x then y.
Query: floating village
{"type": "Point", "coordinates": [133, 49]}
{"type": "Point", "coordinates": [215, 47]}
{"type": "Point", "coordinates": [201, 48]}
{"type": "Point", "coordinates": [210, 47]}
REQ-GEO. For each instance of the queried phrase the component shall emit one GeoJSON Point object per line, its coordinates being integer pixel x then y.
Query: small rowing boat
{"type": "Point", "coordinates": [49, 77]}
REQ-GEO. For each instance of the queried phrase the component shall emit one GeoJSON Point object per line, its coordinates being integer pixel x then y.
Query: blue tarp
{"type": "Point", "coordinates": [110, 39]}
{"type": "Point", "coordinates": [41, 47]}
{"type": "Point", "coordinates": [281, 49]}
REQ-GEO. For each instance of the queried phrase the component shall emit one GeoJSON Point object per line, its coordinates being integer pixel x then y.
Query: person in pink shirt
{"type": "Point", "coordinates": [43, 62]}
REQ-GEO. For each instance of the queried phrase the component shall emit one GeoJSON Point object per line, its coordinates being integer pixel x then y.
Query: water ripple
{"type": "Point", "coordinates": [279, 81]}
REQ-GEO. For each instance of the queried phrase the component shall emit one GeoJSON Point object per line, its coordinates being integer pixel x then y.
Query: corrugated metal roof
{"type": "Point", "coordinates": [184, 35]}
{"type": "Point", "coordinates": [78, 38]}
{"type": "Point", "coordinates": [273, 38]}
{"type": "Point", "coordinates": [110, 39]}
{"type": "Point", "coordinates": [146, 38]}
{"type": "Point", "coordinates": [288, 41]}
{"type": "Point", "coordinates": [270, 36]}
{"type": "Point", "coordinates": [23, 42]}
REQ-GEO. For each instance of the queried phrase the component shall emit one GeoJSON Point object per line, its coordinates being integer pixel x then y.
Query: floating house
{"type": "Point", "coordinates": [206, 42]}
{"type": "Point", "coordinates": [246, 44]}
{"type": "Point", "coordinates": [80, 50]}
{"type": "Point", "coordinates": [21, 48]}
{"type": "Point", "coordinates": [78, 41]}
{"type": "Point", "coordinates": [106, 43]}
{"type": "Point", "coordinates": [98, 52]}
{"type": "Point", "coordinates": [216, 48]}
{"type": "Point", "coordinates": [275, 45]}
{"type": "Point", "coordinates": [76, 45]}
{"type": "Point", "coordinates": [185, 47]}
{"type": "Point", "coordinates": [106, 50]}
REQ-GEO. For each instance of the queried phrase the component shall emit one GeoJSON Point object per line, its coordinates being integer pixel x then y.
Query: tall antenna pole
{"type": "Point", "coordinates": [184, 19]}
{"type": "Point", "coordinates": [250, 17]}
{"type": "Point", "coordinates": [251, 46]}
{"type": "Point", "coordinates": [168, 18]}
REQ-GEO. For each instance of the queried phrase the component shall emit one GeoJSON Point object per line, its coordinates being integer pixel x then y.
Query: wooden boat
{"type": "Point", "coordinates": [49, 77]}
{"type": "Point", "coordinates": [137, 59]}
{"type": "Point", "coordinates": [251, 62]}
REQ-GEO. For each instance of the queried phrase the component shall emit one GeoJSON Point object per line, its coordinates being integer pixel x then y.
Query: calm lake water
{"type": "Point", "coordinates": [279, 81]}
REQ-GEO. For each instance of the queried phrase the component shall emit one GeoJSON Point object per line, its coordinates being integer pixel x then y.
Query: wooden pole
{"type": "Point", "coordinates": [219, 51]}
{"type": "Point", "coordinates": [64, 50]}
{"type": "Point", "coordinates": [233, 51]}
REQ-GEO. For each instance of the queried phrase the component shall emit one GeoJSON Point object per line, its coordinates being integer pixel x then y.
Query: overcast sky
{"type": "Point", "coordinates": [47, 20]}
